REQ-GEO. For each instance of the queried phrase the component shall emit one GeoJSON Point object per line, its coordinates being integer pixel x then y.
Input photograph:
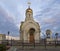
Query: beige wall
{"type": "Point", "coordinates": [2, 37]}
{"type": "Point", "coordinates": [27, 25]}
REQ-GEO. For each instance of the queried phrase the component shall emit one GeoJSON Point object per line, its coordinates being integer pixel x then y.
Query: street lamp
{"type": "Point", "coordinates": [8, 37]}
{"type": "Point", "coordinates": [56, 38]}
{"type": "Point", "coordinates": [56, 35]}
{"type": "Point", "coordinates": [44, 39]}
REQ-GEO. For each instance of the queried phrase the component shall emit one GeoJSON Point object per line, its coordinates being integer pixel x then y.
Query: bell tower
{"type": "Point", "coordinates": [29, 13]}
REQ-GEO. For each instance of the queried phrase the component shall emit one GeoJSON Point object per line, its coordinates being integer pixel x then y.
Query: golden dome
{"type": "Point", "coordinates": [29, 10]}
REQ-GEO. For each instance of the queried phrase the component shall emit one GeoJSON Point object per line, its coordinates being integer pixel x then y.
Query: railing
{"type": "Point", "coordinates": [21, 43]}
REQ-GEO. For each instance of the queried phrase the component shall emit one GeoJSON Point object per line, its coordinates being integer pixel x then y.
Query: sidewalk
{"type": "Point", "coordinates": [12, 49]}
{"type": "Point", "coordinates": [37, 48]}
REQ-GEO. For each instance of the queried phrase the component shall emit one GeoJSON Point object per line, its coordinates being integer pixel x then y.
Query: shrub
{"type": "Point", "coordinates": [2, 47]}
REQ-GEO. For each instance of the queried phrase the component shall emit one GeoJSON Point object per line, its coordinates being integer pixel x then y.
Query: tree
{"type": "Point", "coordinates": [2, 47]}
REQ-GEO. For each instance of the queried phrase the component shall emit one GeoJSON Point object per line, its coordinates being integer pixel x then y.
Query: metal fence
{"type": "Point", "coordinates": [21, 43]}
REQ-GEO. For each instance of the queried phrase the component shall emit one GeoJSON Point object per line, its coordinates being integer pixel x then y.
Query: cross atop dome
{"type": "Point", "coordinates": [29, 9]}
{"type": "Point", "coordinates": [29, 3]}
{"type": "Point", "coordinates": [29, 12]}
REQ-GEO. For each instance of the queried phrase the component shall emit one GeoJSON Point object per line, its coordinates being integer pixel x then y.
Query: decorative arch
{"type": "Point", "coordinates": [31, 35]}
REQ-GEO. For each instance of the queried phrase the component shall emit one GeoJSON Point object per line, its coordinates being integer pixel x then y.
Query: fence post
{"type": "Point", "coordinates": [11, 42]}
{"type": "Point", "coordinates": [22, 44]}
{"type": "Point", "coordinates": [45, 42]}
{"type": "Point", "coordinates": [55, 43]}
{"type": "Point", "coordinates": [34, 44]}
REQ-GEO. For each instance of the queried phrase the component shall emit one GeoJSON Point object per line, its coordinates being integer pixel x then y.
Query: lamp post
{"type": "Point", "coordinates": [56, 38]}
{"type": "Point", "coordinates": [11, 41]}
{"type": "Point", "coordinates": [44, 40]}
{"type": "Point", "coordinates": [8, 37]}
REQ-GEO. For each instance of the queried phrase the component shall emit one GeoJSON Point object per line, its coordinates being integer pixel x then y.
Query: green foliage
{"type": "Point", "coordinates": [2, 47]}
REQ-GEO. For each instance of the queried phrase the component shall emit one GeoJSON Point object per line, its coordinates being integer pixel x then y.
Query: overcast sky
{"type": "Point", "coordinates": [45, 12]}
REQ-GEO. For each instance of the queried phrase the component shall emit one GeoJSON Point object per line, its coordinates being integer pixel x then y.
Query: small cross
{"type": "Point", "coordinates": [29, 3]}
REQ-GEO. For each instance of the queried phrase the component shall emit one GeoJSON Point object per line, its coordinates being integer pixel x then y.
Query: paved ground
{"type": "Point", "coordinates": [54, 49]}
{"type": "Point", "coordinates": [38, 50]}
{"type": "Point", "coordinates": [34, 49]}
{"type": "Point", "coordinates": [12, 49]}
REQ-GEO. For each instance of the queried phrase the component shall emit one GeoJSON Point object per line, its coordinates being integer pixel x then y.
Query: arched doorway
{"type": "Point", "coordinates": [31, 35]}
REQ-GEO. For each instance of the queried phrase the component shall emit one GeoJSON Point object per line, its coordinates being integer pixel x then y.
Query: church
{"type": "Point", "coordinates": [29, 29]}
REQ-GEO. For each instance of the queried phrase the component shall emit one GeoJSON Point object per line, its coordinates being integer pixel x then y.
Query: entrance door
{"type": "Point", "coordinates": [31, 38]}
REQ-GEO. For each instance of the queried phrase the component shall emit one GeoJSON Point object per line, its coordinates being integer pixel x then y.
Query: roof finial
{"type": "Point", "coordinates": [29, 3]}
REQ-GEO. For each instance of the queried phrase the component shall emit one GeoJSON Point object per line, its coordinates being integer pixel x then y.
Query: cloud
{"type": "Point", "coordinates": [46, 13]}
{"type": "Point", "coordinates": [7, 23]}
{"type": "Point", "coordinates": [49, 17]}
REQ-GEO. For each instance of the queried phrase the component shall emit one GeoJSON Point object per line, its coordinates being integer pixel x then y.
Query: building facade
{"type": "Point", "coordinates": [2, 37]}
{"type": "Point", "coordinates": [49, 35]}
{"type": "Point", "coordinates": [29, 29]}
